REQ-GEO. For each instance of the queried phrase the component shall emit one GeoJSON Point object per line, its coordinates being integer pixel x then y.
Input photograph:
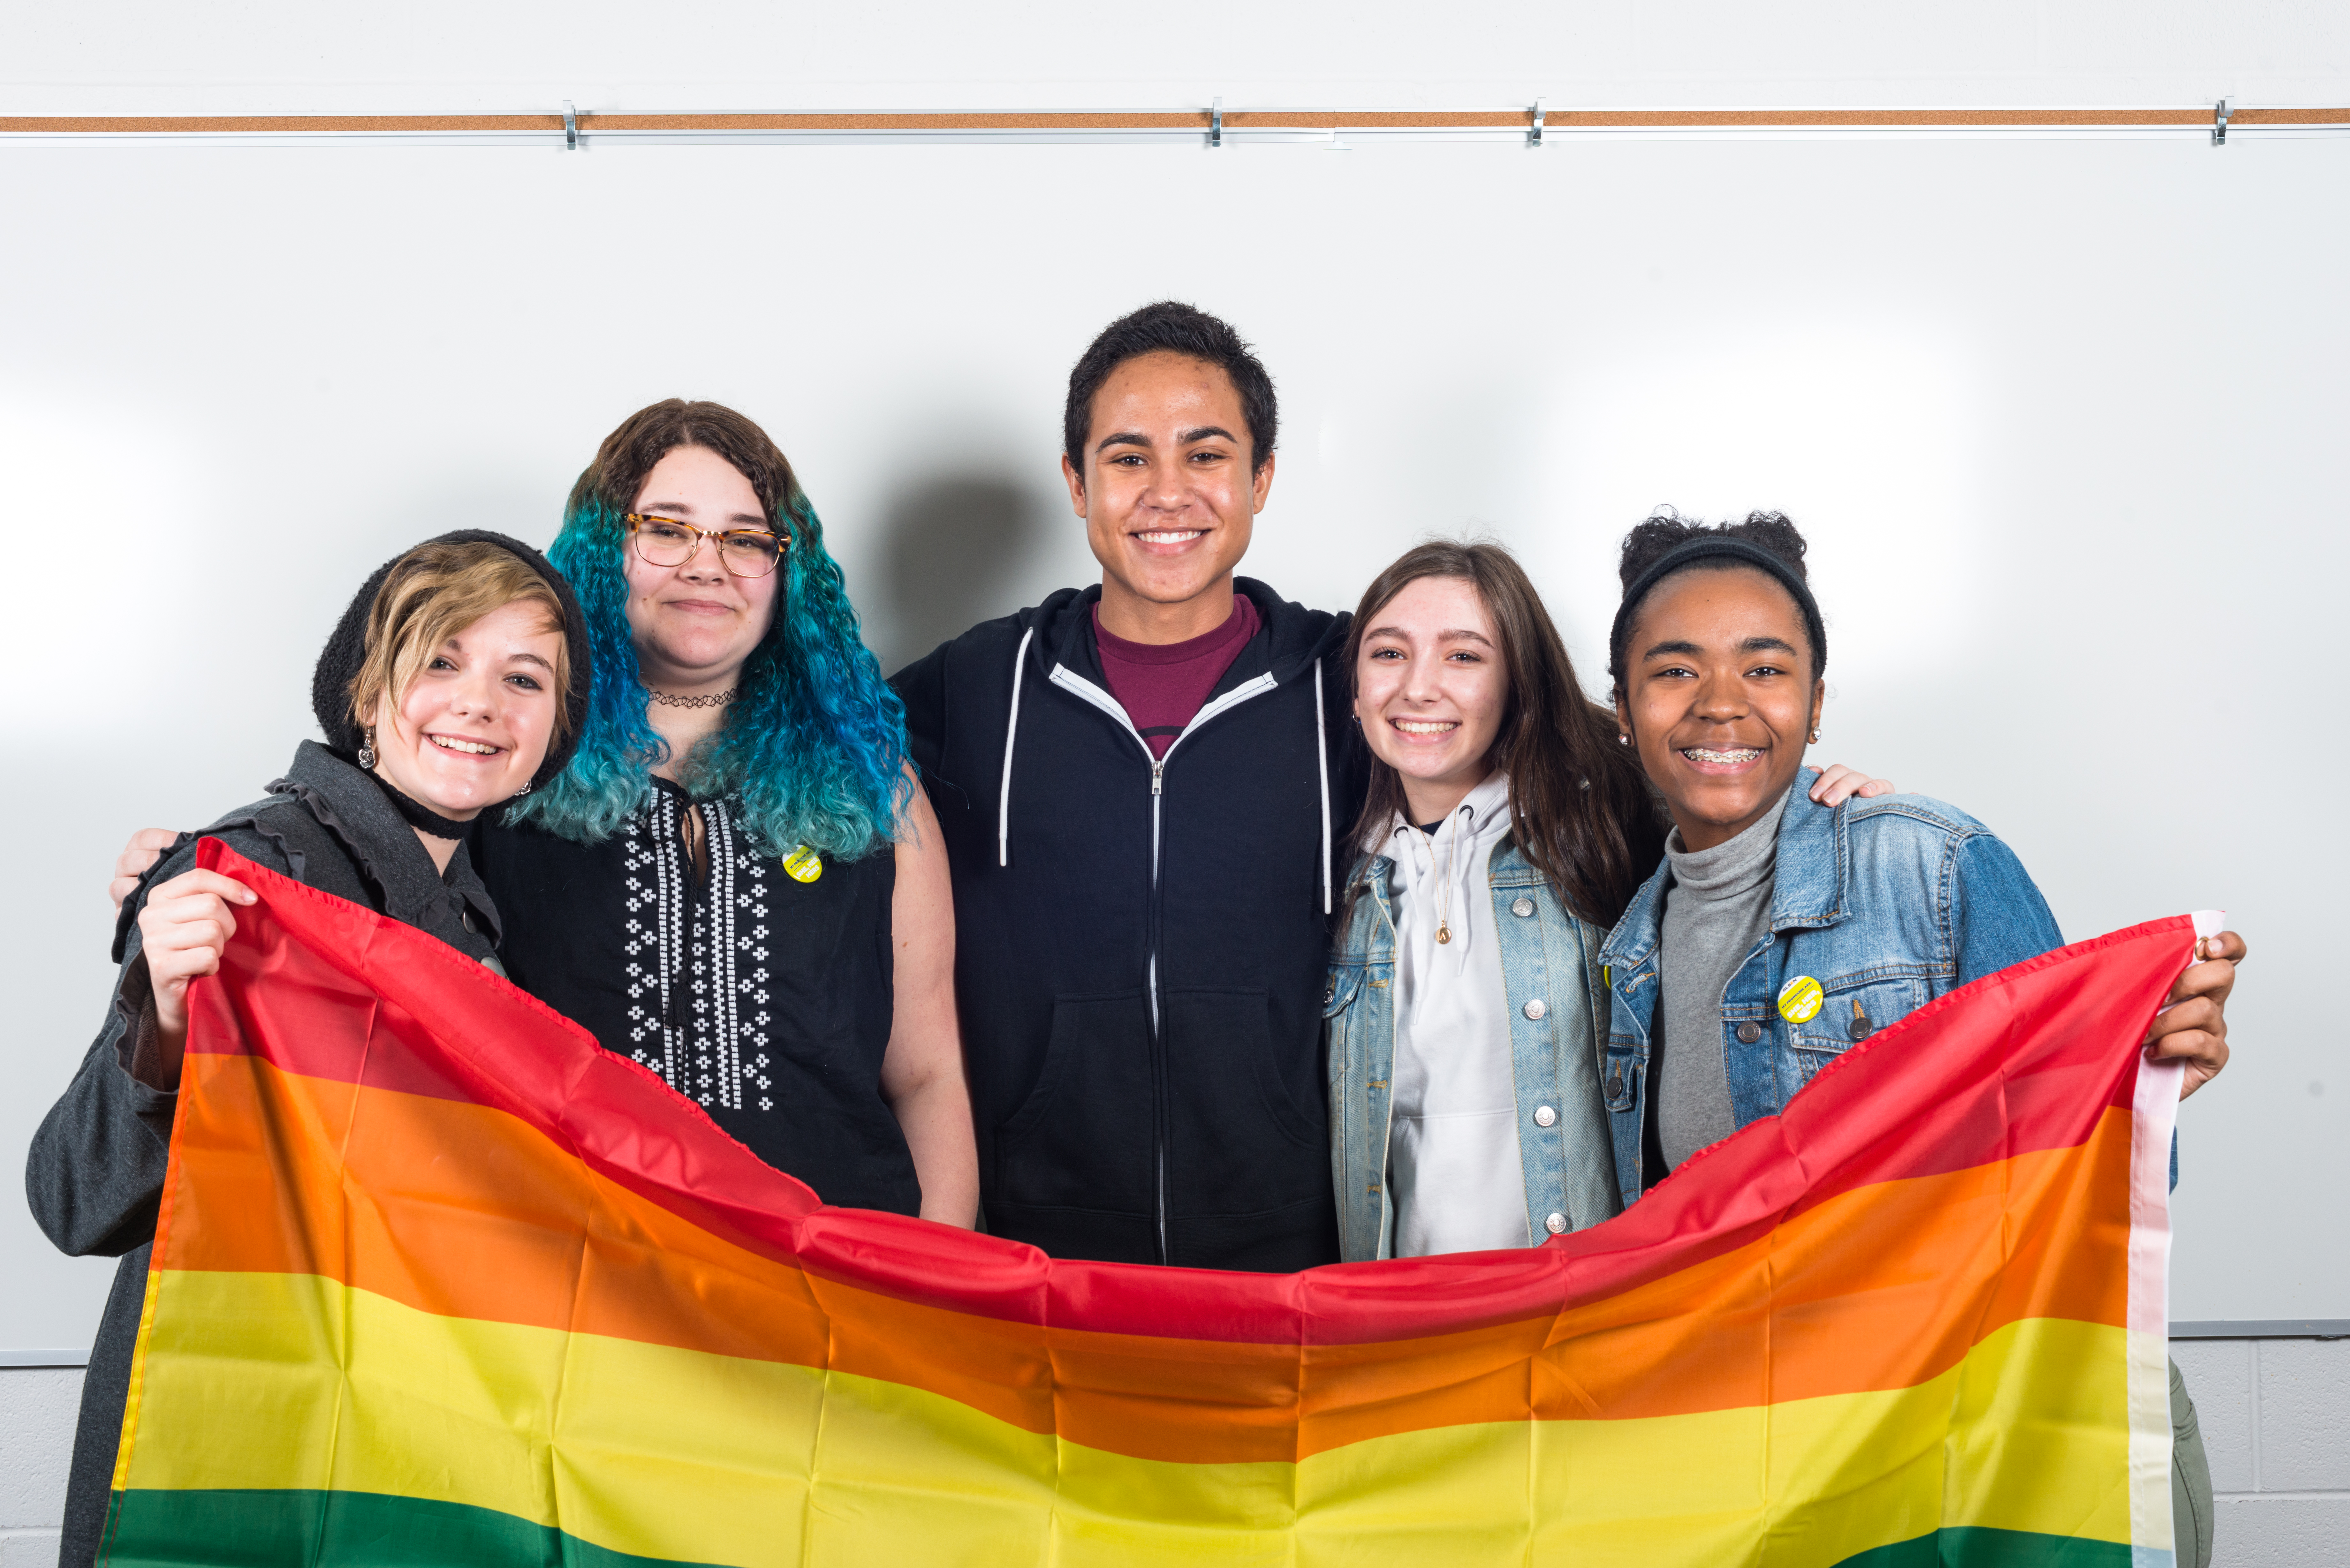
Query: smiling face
{"type": "Point", "coordinates": [695, 625]}
{"type": "Point", "coordinates": [1169, 495]}
{"type": "Point", "coordinates": [1720, 698]}
{"type": "Point", "coordinates": [1431, 688]}
{"type": "Point", "coordinates": [473, 724]}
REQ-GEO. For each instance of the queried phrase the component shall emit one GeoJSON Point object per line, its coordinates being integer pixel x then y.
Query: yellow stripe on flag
{"type": "Point", "coordinates": [322, 1387]}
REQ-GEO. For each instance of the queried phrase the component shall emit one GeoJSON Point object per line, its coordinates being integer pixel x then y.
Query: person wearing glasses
{"type": "Point", "coordinates": [736, 883]}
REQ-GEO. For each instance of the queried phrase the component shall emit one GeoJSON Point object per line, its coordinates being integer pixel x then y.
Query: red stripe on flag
{"type": "Point", "coordinates": [2023, 1060]}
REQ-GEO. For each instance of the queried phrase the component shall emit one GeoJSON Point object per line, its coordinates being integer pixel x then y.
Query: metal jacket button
{"type": "Point", "coordinates": [1522, 908]}
{"type": "Point", "coordinates": [1544, 1117]}
{"type": "Point", "coordinates": [1535, 1008]}
{"type": "Point", "coordinates": [1555, 1224]}
{"type": "Point", "coordinates": [1749, 1033]}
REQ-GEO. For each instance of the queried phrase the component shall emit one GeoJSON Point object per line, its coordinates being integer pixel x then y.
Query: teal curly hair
{"type": "Point", "coordinates": [816, 745]}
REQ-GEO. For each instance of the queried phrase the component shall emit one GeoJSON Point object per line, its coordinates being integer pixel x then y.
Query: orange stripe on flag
{"type": "Point", "coordinates": [1880, 1288]}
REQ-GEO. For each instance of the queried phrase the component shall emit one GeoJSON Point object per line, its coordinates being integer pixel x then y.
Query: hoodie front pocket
{"type": "Point", "coordinates": [1237, 1128]}
{"type": "Point", "coordinates": [1083, 1138]}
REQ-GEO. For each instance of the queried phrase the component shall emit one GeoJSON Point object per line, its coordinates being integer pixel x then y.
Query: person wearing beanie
{"type": "Point", "coordinates": [734, 882]}
{"type": "Point", "coordinates": [457, 679]}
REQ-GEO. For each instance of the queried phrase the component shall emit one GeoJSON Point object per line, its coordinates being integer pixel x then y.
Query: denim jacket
{"type": "Point", "coordinates": [1887, 903]}
{"type": "Point", "coordinates": [1550, 967]}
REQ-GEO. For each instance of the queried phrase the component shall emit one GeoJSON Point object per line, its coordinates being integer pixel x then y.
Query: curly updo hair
{"type": "Point", "coordinates": [1664, 545]}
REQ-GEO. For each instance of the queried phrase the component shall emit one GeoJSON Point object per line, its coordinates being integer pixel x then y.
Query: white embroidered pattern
{"type": "Point", "coordinates": [696, 957]}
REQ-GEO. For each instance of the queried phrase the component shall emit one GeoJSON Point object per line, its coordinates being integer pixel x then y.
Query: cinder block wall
{"type": "Point", "coordinates": [2275, 1413]}
{"type": "Point", "coordinates": [2276, 1423]}
{"type": "Point", "coordinates": [36, 1425]}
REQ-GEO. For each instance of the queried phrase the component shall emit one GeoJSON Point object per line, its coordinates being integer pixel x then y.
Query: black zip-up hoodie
{"type": "Point", "coordinates": [1141, 949]}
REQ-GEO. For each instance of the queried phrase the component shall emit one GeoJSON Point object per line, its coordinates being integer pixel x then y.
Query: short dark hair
{"type": "Point", "coordinates": [1170, 327]}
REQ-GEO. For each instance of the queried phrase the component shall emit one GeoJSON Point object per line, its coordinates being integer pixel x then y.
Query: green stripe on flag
{"type": "Point", "coordinates": [1974, 1546]}
{"type": "Point", "coordinates": [255, 1529]}
{"type": "Point", "coordinates": [289, 1529]}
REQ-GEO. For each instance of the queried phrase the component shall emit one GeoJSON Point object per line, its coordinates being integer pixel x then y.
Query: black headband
{"type": "Point", "coordinates": [1727, 549]}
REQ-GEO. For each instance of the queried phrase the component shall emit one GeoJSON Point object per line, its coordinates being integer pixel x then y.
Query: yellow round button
{"type": "Point", "coordinates": [1800, 999]}
{"type": "Point", "coordinates": [805, 865]}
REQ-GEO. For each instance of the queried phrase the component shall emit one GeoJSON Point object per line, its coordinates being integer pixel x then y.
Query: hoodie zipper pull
{"type": "Point", "coordinates": [1156, 770]}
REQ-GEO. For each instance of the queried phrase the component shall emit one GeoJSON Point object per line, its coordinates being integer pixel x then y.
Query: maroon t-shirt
{"type": "Point", "coordinates": [1162, 684]}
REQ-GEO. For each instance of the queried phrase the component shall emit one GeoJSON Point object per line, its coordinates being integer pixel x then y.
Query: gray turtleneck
{"type": "Point", "coordinates": [1717, 907]}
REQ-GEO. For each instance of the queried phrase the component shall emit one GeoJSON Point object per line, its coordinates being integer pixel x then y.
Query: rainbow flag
{"type": "Point", "coordinates": [439, 1281]}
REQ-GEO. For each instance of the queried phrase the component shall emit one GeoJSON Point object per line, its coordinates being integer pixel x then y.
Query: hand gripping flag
{"type": "Point", "coordinates": [439, 1281]}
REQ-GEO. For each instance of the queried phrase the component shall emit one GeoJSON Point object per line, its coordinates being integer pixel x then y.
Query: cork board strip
{"type": "Point", "coordinates": [1175, 120]}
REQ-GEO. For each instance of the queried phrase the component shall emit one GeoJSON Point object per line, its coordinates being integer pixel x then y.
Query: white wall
{"type": "Point", "coordinates": [284, 56]}
{"type": "Point", "coordinates": [2063, 418]}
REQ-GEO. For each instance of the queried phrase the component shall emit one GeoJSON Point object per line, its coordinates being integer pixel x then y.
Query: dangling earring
{"type": "Point", "coordinates": [1815, 735]}
{"type": "Point", "coordinates": [524, 790]}
{"type": "Point", "coordinates": [367, 749]}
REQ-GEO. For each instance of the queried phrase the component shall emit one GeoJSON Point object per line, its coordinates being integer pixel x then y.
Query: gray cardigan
{"type": "Point", "coordinates": [95, 1173]}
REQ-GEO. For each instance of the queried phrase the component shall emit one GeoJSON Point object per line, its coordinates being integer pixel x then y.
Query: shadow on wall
{"type": "Point", "coordinates": [956, 551]}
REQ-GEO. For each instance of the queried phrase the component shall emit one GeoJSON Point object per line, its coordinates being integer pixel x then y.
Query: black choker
{"type": "Point", "coordinates": [422, 818]}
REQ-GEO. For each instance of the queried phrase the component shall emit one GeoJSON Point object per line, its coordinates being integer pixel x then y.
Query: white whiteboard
{"type": "Point", "coordinates": [2065, 419]}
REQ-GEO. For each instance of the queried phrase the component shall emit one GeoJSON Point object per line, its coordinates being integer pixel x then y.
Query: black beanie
{"type": "Point", "coordinates": [346, 650]}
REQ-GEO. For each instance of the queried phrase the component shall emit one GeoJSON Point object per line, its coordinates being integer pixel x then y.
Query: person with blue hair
{"type": "Point", "coordinates": [735, 882]}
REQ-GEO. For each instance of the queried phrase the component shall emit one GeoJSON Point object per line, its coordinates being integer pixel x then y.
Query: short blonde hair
{"type": "Point", "coordinates": [434, 592]}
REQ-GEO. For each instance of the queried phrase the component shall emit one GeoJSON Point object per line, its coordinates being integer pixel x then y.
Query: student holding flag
{"type": "Point", "coordinates": [1779, 933]}
{"type": "Point", "coordinates": [735, 882]}
{"type": "Point", "coordinates": [1503, 1067]}
{"type": "Point", "coordinates": [457, 678]}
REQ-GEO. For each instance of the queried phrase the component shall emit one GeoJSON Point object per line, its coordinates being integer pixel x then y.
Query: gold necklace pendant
{"type": "Point", "coordinates": [1443, 932]}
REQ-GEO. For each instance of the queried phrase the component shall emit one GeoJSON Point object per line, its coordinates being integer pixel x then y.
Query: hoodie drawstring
{"type": "Point", "coordinates": [1011, 729]}
{"type": "Point", "coordinates": [1322, 761]}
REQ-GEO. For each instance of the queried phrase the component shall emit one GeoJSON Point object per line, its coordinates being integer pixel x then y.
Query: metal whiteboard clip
{"type": "Point", "coordinates": [2219, 113]}
{"type": "Point", "coordinates": [1216, 123]}
{"type": "Point", "coordinates": [570, 128]}
{"type": "Point", "coordinates": [1534, 133]}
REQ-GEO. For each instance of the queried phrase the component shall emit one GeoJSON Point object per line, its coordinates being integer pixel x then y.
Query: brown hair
{"type": "Point", "coordinates": [1581, 810]}
{"type": "Point", "coordinates": [436, 591]}
{"type": "Point", "coordinates": [651, 433]}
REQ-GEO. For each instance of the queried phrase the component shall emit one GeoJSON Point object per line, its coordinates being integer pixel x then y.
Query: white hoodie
{"type": "Point", "coordinates": [1453, 1146]}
